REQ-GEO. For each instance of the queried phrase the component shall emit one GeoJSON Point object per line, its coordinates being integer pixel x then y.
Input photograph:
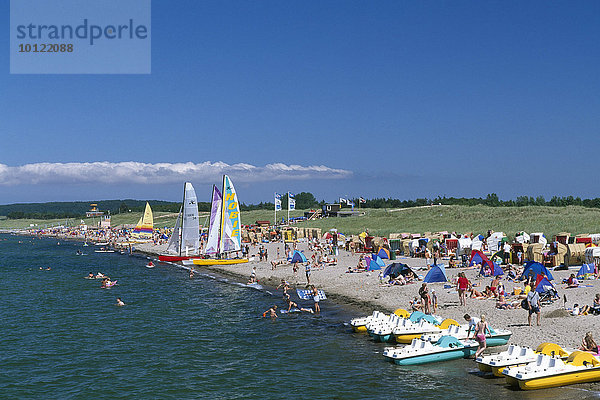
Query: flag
{"type": "Point", "coordinates": [291, 201]}
{"type": "Point", "coordinates": [361, 200]}
{"type": "Point", "coordinates": [277, 202]}
{"type": "Point", "coordinates": [343, 201]}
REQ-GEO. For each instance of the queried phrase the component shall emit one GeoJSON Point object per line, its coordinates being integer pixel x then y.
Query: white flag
{"type": "Point", "coordinates": [277, 202]}
{"type": "Point", "coordinates": [291, 201]}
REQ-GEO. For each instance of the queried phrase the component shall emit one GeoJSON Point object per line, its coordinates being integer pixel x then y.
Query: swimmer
{"type": "Point", "coordinates": [272, 312]}
{"type": "Point", "coordinates": [191, 273]}
{"type": "Point", "coordinates": [48, 269]}
{"type": "Point", "coordinates": [90, 276]}
{"type": "Point", "coordinates": [120, 302]}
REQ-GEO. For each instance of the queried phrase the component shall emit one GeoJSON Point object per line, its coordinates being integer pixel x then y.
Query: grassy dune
{"type": "Point", "coordinates": [478, 219]}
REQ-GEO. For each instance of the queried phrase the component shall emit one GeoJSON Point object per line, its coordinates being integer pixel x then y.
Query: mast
{"type": "Point", "coordinates": [182, 211]}
{"type": "Point", "coordinates": [222, 217]}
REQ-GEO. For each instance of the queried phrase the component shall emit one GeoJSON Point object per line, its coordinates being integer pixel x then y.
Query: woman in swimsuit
{"type": "Point", "coordinates": [479, 335]}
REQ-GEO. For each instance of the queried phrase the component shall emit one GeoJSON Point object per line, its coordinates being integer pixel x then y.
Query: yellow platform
{"type": "Point", "coordinates": [211, 261]}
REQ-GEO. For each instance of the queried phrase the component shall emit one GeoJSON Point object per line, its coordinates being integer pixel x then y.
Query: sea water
{"type": "Point", "coordinates": [63, 337]}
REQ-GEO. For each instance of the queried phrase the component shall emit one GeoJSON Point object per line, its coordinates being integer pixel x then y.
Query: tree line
{"type": "Point", "coordinates": [304, 200]}
{"type": "Point", "coordinates": [491, 200]}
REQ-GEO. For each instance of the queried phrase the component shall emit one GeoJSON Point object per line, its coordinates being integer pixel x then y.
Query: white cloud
{"type": "Point", "coordinates": [131, 172]}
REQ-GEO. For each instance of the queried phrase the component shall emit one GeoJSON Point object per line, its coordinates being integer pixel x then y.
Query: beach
{"type": "Point", "coordinates": [363, 292]}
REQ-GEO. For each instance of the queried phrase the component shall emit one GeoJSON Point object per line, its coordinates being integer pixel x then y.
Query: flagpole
{"type": "Point", "coordinates": [275, 206]}
{"type": "Point", "coordinates": [288, 220]}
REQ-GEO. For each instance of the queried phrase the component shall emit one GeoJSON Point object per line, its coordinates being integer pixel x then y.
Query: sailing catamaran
{"type": "Point", "coordinates": [145, 227]}
{"type": "Point", "coordinates": [185, 240]}
{"type": "Point", "coordinates": [224, 233]}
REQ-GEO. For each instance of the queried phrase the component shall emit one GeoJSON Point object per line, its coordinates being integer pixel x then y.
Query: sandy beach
{"type": "Point", "coordinates": [364, 292]}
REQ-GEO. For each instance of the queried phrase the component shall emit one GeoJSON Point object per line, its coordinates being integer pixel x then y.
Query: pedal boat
{"type": "Point", "coordinates": [498, 337]}
{"type": "Point", "coordinates": [517, 355]}
{"type": "Point", "coordinates": [423, 352]}
{"type": "Point", "coordinates": [385, 332]}
{"type": "Point", "coordinates": [548, 371]}
{"type": "Point", "coordinates": [360, 324]}
{"type": "Point", "coordinates": [426, 325]}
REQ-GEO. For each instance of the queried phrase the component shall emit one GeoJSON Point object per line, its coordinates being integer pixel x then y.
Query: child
{"type": "Point", "coordinates": [434, 300]}
{"type": "Point", "coordinates": [272, 312]}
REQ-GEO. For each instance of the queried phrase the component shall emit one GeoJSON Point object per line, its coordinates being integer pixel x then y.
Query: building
{"type": "Point", "coordinates": [335, 210]}
{"type": "Point", "coordinates": [94, 212]}
{"type": "Point", "coordinates": [105, 221]}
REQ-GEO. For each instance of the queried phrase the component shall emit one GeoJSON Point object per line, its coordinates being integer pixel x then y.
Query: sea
{"type": "Point", "coordinates": [64, 337]}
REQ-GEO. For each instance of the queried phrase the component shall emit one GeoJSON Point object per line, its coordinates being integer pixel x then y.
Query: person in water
{"type": "Point", "coordinates": [285, 285]}
{"type": "Point", "coordinates": [90, 275]}
{"type": "Point", "coordinates": [316, 298]}
{"type": "Point", "coordinates": [252, 278]}
{"type": "Point", "coordinates": [291, 304]}
{"type": "Point", "coordinates": [120, 302]}
{"type": "Point", "coordinates": [272, 312]}
{"type": "Point", "coordinates": [191, 273]}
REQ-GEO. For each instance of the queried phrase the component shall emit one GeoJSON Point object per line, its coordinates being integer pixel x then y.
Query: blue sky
{"type": "Point", "coordinates": [395, 99]}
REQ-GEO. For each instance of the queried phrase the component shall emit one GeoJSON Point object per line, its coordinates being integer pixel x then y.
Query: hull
{"type": "Point", "coordinates": [484, 367]}
{"type": "Point", "coordinates": [208, 261]}
{"type": "Point", "coordinates": [497, 340]}
{"type": "Point", "coordinates": [571, 378]}
{"type": "Point", "coordinates": [175, 258]}
{"type": "Point", "coordinates": [383, 338]}
{"type": "Point", "coordinates": [437, 357]}
{"type": "Point", "coordinates": [406, 339]}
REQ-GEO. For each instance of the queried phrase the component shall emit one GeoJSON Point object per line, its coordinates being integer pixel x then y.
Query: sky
{"type": "Point", "coordinates": [339, 98]}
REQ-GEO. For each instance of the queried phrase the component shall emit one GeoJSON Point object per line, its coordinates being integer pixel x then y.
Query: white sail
{"type": "Point", "coordinates": [214, 230]}
{"type": "Point", "coordinates": [175, 239]}
{"type": "Point", "coordinates": [190, 232]}
{"type": "Point", "coordinates": [231, 238]}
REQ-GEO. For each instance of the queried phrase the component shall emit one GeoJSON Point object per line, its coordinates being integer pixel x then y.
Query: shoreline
{"type": "Point", "coordinates": [361, 293]}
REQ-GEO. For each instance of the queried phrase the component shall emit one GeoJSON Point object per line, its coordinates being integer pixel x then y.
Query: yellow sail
{"type": "Point", "coordinates": [145, 226]}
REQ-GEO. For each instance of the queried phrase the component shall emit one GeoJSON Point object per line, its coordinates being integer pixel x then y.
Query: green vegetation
{"type": "Point", "coordinates": [382, 222]}
{"type": "Point", "coordinates": [462, 219]}
{"type": "Point", "coordinates": [304, 200]}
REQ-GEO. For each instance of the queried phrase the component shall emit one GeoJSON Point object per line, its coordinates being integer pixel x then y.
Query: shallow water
{"type": "Point", "coordinates": [62, 336]}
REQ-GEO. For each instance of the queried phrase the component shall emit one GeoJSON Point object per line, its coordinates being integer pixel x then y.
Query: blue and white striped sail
{"type": "Point", "coordinates": [231, 238]}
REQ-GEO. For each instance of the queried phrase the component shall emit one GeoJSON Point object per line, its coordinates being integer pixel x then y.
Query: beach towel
{"type": "Point", "coordinates": [307, 294]}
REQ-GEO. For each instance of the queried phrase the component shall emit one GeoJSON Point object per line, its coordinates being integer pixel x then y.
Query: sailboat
{"type": "Point", "coordinates": [185, 240]}
{"type": "Point", "coordinates": [145, 227]}
{"type": "Point", "coordinates": [224, 233]}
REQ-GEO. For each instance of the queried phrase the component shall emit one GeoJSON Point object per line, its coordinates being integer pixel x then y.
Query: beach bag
{"type": "Point", "coordinates": [525, 304]}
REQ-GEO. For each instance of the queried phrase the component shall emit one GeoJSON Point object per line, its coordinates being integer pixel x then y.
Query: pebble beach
{"type": "Point", "coordinates": [363, 292]}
